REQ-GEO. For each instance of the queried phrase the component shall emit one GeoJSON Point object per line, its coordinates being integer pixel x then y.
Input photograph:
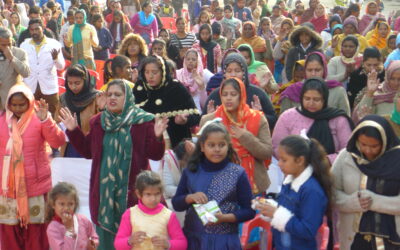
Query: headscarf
{"type": "Point", "coordinates": [252, 67]}
{"type": "Point", "coordinates": [116, 159]}
{"type": "Point", "coordinates": [77, 36]}
{"type": "Point", "coordinates": [185, 77]}
{"type": "Point", "coordinates": [209, 47]}
{"type": "Point", "coordinates": [334, 18]}
{"type": "Point", "coordinates": [78, 102]}
{"type": "Point", "coordinates": [351, 20]}
{"type": "Point", "coordinates": [320, 129]}
{"type": "Point", "coordinates": [145, 21]}
{"type": "Point", "coordinates": [356, 58]}
{"type": "Point", "coordinates": [395, 117]}
{"type": "Point", "coordinates": [246, 118]}
{"type": "Point", "coordinates": [337, 26]}
{"type": "Point", "coordinates": [385, 93]}
{"type": "Point", "coordinates": [256, 42]}
{"type": "Point", "coordinates": [320, 23]}
{"type": "Point", "coordinates": [293, 92]}
{"type": "Point", "coordinates": [238, 58]}
{"type": "Point", "coordinates": [376, 39]}
{"type": "Point", "coordinates": [382, 176]}
{"type": "Point", "coordinates": [13, 178]}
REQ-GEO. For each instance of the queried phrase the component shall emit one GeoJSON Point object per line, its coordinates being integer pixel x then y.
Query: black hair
{"type": "Point", "coordinates": [336, 9]}
{"type": "Point", "coordinates": [205, 26]}
{"type": "Point", "coordinates": [392, 36]}
{"type": "Point", "coordinates": [317, 84]}
{"type": "Point", "coordinates": [157, 41]}
{"type": "Point", "coordinates": [371, 52]}
{"type": "Point", "coordinates": [334, 18]}
{"type": "Point", "coordinates": [180, 149]}
{"type": "Point", "coordinates": [118, 82]}
{"type": "Point", "coordinates": [70, 13]}
{"type": "Point", "coordinates": [245, 49]}
{"type": "Point", "coordinates": [76, 70]}
{"type": "Point", "coordinates": [161, 64]}
{"type": "Point", "coordinates": [19, 94]}
{"type": "Point", "coordinates": [232, 82]}
{"type": "Point", "coordinates": [180, 19]}
{"type": "Point", "coordinates": [62, 188]}
{"type": "Point", "coordinates": [276, 7]}
{"type": "Point", "coordinates": [228, 7]}
{"type": "Point", "coordinates": [145, 4]}
{"type": "Point", "coordinates": [35, 10]}
{"type": "Point", "coordinates": [352, 39]}
{"type": "Point", "coordinates": [370, 132]}
{"type": "Point", "coordinates": [96, 17]}
{"type": "Point", "coordinates": [34, 21]}
{"type": "Point", "coordinates": [148, 178]}
{"type": "Point", "coordinates": [219, 9]}
{"type": "Point", "coordinates": [118, 62]}
{"type": "Point", "coordinates": [352, 8]}
{"type": "Point", "coordinates": [171, 65]}
{"type": "Point", "coordinates": [164, 30]}
{"type": "Point", "coordinates": [312, 58]}
{"type": "Point", "coordinates": [314, 155]}
{"type": "Point", "coordinates": [198, 156]}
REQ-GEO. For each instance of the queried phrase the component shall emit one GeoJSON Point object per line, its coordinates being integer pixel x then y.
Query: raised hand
{"type": "Point", "coordinates": [256, 104]}
{"type": "Point", "coordinates": [42, 110]}
{"type": "Point", "coordinates": [335, 42]}
{"type": "Point", "coordinates": [101, 100]}
{"type": "Point", "coordinates": [161, 124]}
{"type": "Point", "coordinates": [210, 107]}
{"type": "Point", "coordinates": [54, 53]}
{"type": "Point", "coordinates": [69, 121]}
{"type": "Point", "coordinates": [372, 83]}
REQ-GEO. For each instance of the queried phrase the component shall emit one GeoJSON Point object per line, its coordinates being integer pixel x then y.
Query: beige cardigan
{"type": "Point", "coordinates": [347, 178]}
{"type": "Point", "coordinates": [260, 148]}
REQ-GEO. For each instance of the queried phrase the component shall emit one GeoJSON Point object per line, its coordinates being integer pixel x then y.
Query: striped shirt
{"type": "Point", "coordinates": [186, 42]}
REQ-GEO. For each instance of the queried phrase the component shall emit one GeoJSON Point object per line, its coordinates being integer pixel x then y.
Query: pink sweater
{"type": "Point", "coordinates": [58, 240]}
{"type": "Point", "coordinates": [151, 30]}
{"type": "Point", "coordinates": [177, 238]}
{"type": "Point", "coordinates": [292, 122]}
{"type": "Point", "coordinates": [36, 161]}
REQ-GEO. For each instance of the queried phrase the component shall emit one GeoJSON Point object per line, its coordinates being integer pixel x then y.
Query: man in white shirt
{"type": "Point", "coordinates": [44, 60]}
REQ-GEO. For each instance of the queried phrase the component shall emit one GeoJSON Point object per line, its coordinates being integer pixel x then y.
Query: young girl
{"type": "Point", "coordinates": [119, 28]}
{"type": "Point", "coordinates": [118, 68]}
{"type": "Point", "coordinates": [204, 18]}
{"type": "Point", "coordinates": [25, 173]}
{"type": "Point", "coordinates": [305, 196]}
{"type": "Point", "coordinates": [212, 175]}
{"type": "Point", "coordinates": [68, 230]}
{"type": "Point", "coordinates": [149, 225]}
{"type": "Point", "coordinates": [102, 52]}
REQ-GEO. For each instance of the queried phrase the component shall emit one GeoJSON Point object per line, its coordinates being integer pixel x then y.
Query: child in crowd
{"type": "Point", "coordinates": [242, 12]}
{"type": "Point", "coordinates": [204, 18]}
{"type": "Point", "coordinates": [149, 225]}
{"type": "Point", "coordinates": [68, 230]}
{"type": "Point", "coordinates": [25, 173]}
{"type": "Point", "coordinates": [118, 68]}
{"type": "Point", "coordinates": [212, 175]}
{"type": "Point", "coordinates": [305, 196]}
{"type": "Point", "coordinates": [102, 52]}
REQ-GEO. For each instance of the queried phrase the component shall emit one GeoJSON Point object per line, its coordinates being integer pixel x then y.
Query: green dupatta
{"type": "Point", "coordinates": [77, 50]}
{"type": "Point", "coordinates": [116, 160]}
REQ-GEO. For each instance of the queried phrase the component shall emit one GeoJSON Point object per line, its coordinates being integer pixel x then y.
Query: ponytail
{"type": "Point", "coordinates": [107, 72]}
{"type": "Point", "coordinates": [314, 155]}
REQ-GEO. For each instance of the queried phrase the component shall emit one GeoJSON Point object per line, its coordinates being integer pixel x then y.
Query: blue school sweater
{"type": "Point", "coordinates": [302, 203]}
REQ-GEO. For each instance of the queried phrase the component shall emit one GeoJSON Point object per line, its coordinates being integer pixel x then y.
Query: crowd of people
{"type": "Point", "coordinates": [182, 108]}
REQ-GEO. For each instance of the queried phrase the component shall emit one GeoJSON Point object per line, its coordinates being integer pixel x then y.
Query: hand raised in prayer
{"type": "Point", "coordinates": [54, 53]}
{"type": "Point", "coordinates": [101, 100]}
{"type": "Point", "coordinates": [256, 104]}
{"type": "Point", "coordinates": [211, 107]}
{"type": "Point", "coordinates": [68, 119]}
{"type": "Point", "coordinates": [135, 75]}
{"type": "Point", "coordinates": [161, 124]}
{"type": "Point", "coordinates": [335, 42]}
{"type": "Point", "coordinates": [372, 83]}
{"type": "Point", "coordinates": [42, 110]}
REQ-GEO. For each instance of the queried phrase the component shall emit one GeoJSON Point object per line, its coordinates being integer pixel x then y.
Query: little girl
{"type": "Point", "coordinates": [149, 225]}
{"type": "Point", "coordinates": [67, 230]}
{"type": "Point", "coordinates": [204, 17]}
{"type": "Point", "coordinates": [212, 175]}
{"type": "Point", "coordinates": [305, 196]}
